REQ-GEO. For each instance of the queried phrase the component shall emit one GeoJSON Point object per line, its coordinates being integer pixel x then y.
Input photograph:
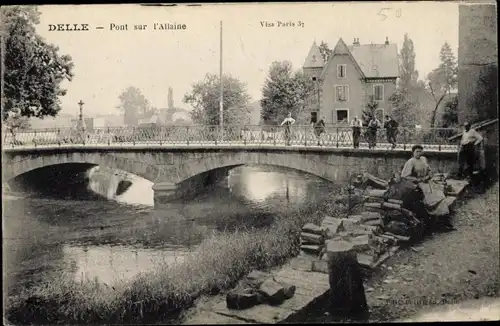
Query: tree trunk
{"type": "Point", "coordinates": [347, 294]}
{"type": "Point", "coordinates": [433, 119]}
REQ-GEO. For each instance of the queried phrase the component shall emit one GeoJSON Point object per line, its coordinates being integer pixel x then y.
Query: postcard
{"type": "Point", "coordinates": [250, 163]}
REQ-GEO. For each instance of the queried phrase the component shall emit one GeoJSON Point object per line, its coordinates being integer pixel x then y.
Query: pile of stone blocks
{"type": "Point", "coordinates": [364, 231]}
{"type": "Point", "coordinates": [312, 239]}
{"type": "Point", "coordinates": [259, 288]}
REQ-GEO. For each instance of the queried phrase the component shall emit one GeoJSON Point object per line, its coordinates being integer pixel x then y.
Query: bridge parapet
{"type": "Point", "coordinates": [435, 139]}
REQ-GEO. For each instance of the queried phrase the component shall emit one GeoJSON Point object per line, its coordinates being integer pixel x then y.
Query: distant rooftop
{"type": "Point", "coordinates": [376, 60]}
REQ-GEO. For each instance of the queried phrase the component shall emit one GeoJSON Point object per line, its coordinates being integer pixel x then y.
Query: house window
{"type": "Point", "coordinates": [342, 93]}
{"type": "Point", "coordinates": [341, 71]}
{"type": "Point", "coordinates": [314, 117]}
{"type": "Point", "coordinates": [378, 92]}
{"type": "Point", "coordinates": [341, 116]}
{"type": "Point", "coordinates": [379, 114]}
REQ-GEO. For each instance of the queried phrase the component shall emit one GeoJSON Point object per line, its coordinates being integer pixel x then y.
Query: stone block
{"type": "Point", "coordinates": [289, 289]}
{"type": "Point", "coordinates": [445, 207]}
{"type": "Point", "coordinates": [244, 299]}
{"type": "Point", "coordinates": [360, 229]}
{"type": "Point", "coordinates": [273, 292]}
{"type": "Point", "coordinates": [361, 242]}
{"type": "Point", "coordinates": [255, 278]}
{"type": "Point", "coordinates": [312, 238]}
{"type": "Point", "coordinates": [377, 222]}
{"type": "Point", "coordinates": [365, 260]}
{"type": "Point", "coordinates": [311, 249]}
{"type": "Point", "coordinates": [373, 207]}
{"type": "Point", "coordinates": [377, 193]}
{"type": "Point", "coordinates": [336, 246]}
{"type": "Point", "coordinates": [320, 266]}
{"type": "Point", "coordinates": [355, 219]}
{"type": "Point", "coordinates": [332, 226]}
{"type": "Point", "coordinates": [313, 228]}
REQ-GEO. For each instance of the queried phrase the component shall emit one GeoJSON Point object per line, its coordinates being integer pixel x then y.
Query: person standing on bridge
{"type": "Point", "coordinates": [391, 129]}
{"type": "Point", "coordinates": [373, 126]}
{"type": "Point", "coordinates": [288, 122]}
{"type": "Point", "coordinates": [467, 152]}
{"type": "Point", "coordinates": [319, 129]}
{"type": "Point", "coordinates": [356, 125]}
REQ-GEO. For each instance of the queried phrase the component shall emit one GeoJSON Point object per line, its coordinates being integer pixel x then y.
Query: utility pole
{"type": "Point", "coordinates": [221, 105]}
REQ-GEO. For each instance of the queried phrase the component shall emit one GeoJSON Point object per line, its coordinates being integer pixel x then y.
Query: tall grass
{"type": "Point", "coordinates": [159, 296]}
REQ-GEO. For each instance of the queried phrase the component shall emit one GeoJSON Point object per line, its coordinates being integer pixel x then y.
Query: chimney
{"type": "Point", "coordinates": [386, 40]}
{"type": "Point", "coordinates": [356, 41]}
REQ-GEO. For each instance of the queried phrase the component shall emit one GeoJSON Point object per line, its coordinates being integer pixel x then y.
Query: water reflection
{"type": "Point", "coordinates": [117, 263]}
{"type": "Point", "coordinates": [119, 238]}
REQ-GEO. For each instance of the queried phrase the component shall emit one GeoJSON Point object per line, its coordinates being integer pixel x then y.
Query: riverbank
{"type": "Point", "coordinates": [220, 261]}
{"type": "Point", "coordinates": [447, 268]}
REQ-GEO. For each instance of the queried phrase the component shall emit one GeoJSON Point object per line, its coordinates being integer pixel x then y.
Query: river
{"type": "Point", "coordinates": [114, 239]}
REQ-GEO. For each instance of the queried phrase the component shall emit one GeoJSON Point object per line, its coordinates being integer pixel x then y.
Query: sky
{"type": "Point", "coordinates": [108, 61]}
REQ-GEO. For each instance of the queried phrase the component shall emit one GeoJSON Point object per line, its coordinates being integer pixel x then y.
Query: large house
{"type": "Point", "coordinates": [352, 76]}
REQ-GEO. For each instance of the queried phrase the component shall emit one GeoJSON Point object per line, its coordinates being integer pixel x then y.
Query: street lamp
{"type": "Point", "coordinates": [81, 122]}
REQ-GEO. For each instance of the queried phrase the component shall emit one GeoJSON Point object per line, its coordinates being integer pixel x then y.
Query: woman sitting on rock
{"type": "Point", "coordinates": [417, 169]}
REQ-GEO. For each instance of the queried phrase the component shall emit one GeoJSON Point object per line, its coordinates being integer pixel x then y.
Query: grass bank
{"type": "Point", "coordinates": [160, 296]}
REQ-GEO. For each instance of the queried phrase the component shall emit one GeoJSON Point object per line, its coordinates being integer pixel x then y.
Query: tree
{"type": "Point", "coordinates": [33, 69]}
{"type": "Point", "coordinates": [284, 91]}
{"type": "Point", "coordinates": [325, 51]}
{"type": "Point", "coordinates": [369, 111]}
{"type": "Point", "coordinates": [403, 100]}
{"type": "Point", "coordinates": [134, 105]}
{"type": "Point", "coordinates": [205, 99]}
{"type": "Point", "coordinates": [450, 114]}
{"type": "Point", "coordinates": [408, 74]}
{"type": "Point", "coordinates": [405, 107]}
{"type": "Point", "coordinates": [443, 79]}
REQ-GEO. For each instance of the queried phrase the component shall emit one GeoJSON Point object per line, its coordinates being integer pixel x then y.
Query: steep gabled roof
{"type": "Point", "coordinates": [376, 60]}
{"type": "Point", "coordinates": [314, 58]}
{"type": "Point", "coordinates": [341, 49]}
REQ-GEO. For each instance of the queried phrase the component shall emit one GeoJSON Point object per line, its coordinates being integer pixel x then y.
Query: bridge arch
{"type": "Point", "coordinates": [322, 168]}
{"type": "Point", "coordinates": [26, 163]}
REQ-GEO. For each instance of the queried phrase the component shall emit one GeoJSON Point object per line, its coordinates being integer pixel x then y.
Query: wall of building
{"type": "Point", "coordinates": [389, 89]}
{"type": "Point", "coordinates": [477, 63]}
{"type": "Point", "coordinates": [355, 102]}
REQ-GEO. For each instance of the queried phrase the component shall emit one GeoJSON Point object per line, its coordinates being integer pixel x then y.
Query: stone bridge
{"type": "Point", "coordinates": [177, 171]}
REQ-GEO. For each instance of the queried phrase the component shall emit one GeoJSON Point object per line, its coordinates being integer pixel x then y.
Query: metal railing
{"type": "Point", "coordinates": [435, 139]}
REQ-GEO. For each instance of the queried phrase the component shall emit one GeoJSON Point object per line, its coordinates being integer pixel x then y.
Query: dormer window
{"type": "Point", "coordinates": [313, 58]}
{"type": "Point", "coordinates": [341, 71]}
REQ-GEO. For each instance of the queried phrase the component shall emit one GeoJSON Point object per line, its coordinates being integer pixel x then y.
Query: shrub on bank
{"type": "Point", "coordinates": [220, 261]}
